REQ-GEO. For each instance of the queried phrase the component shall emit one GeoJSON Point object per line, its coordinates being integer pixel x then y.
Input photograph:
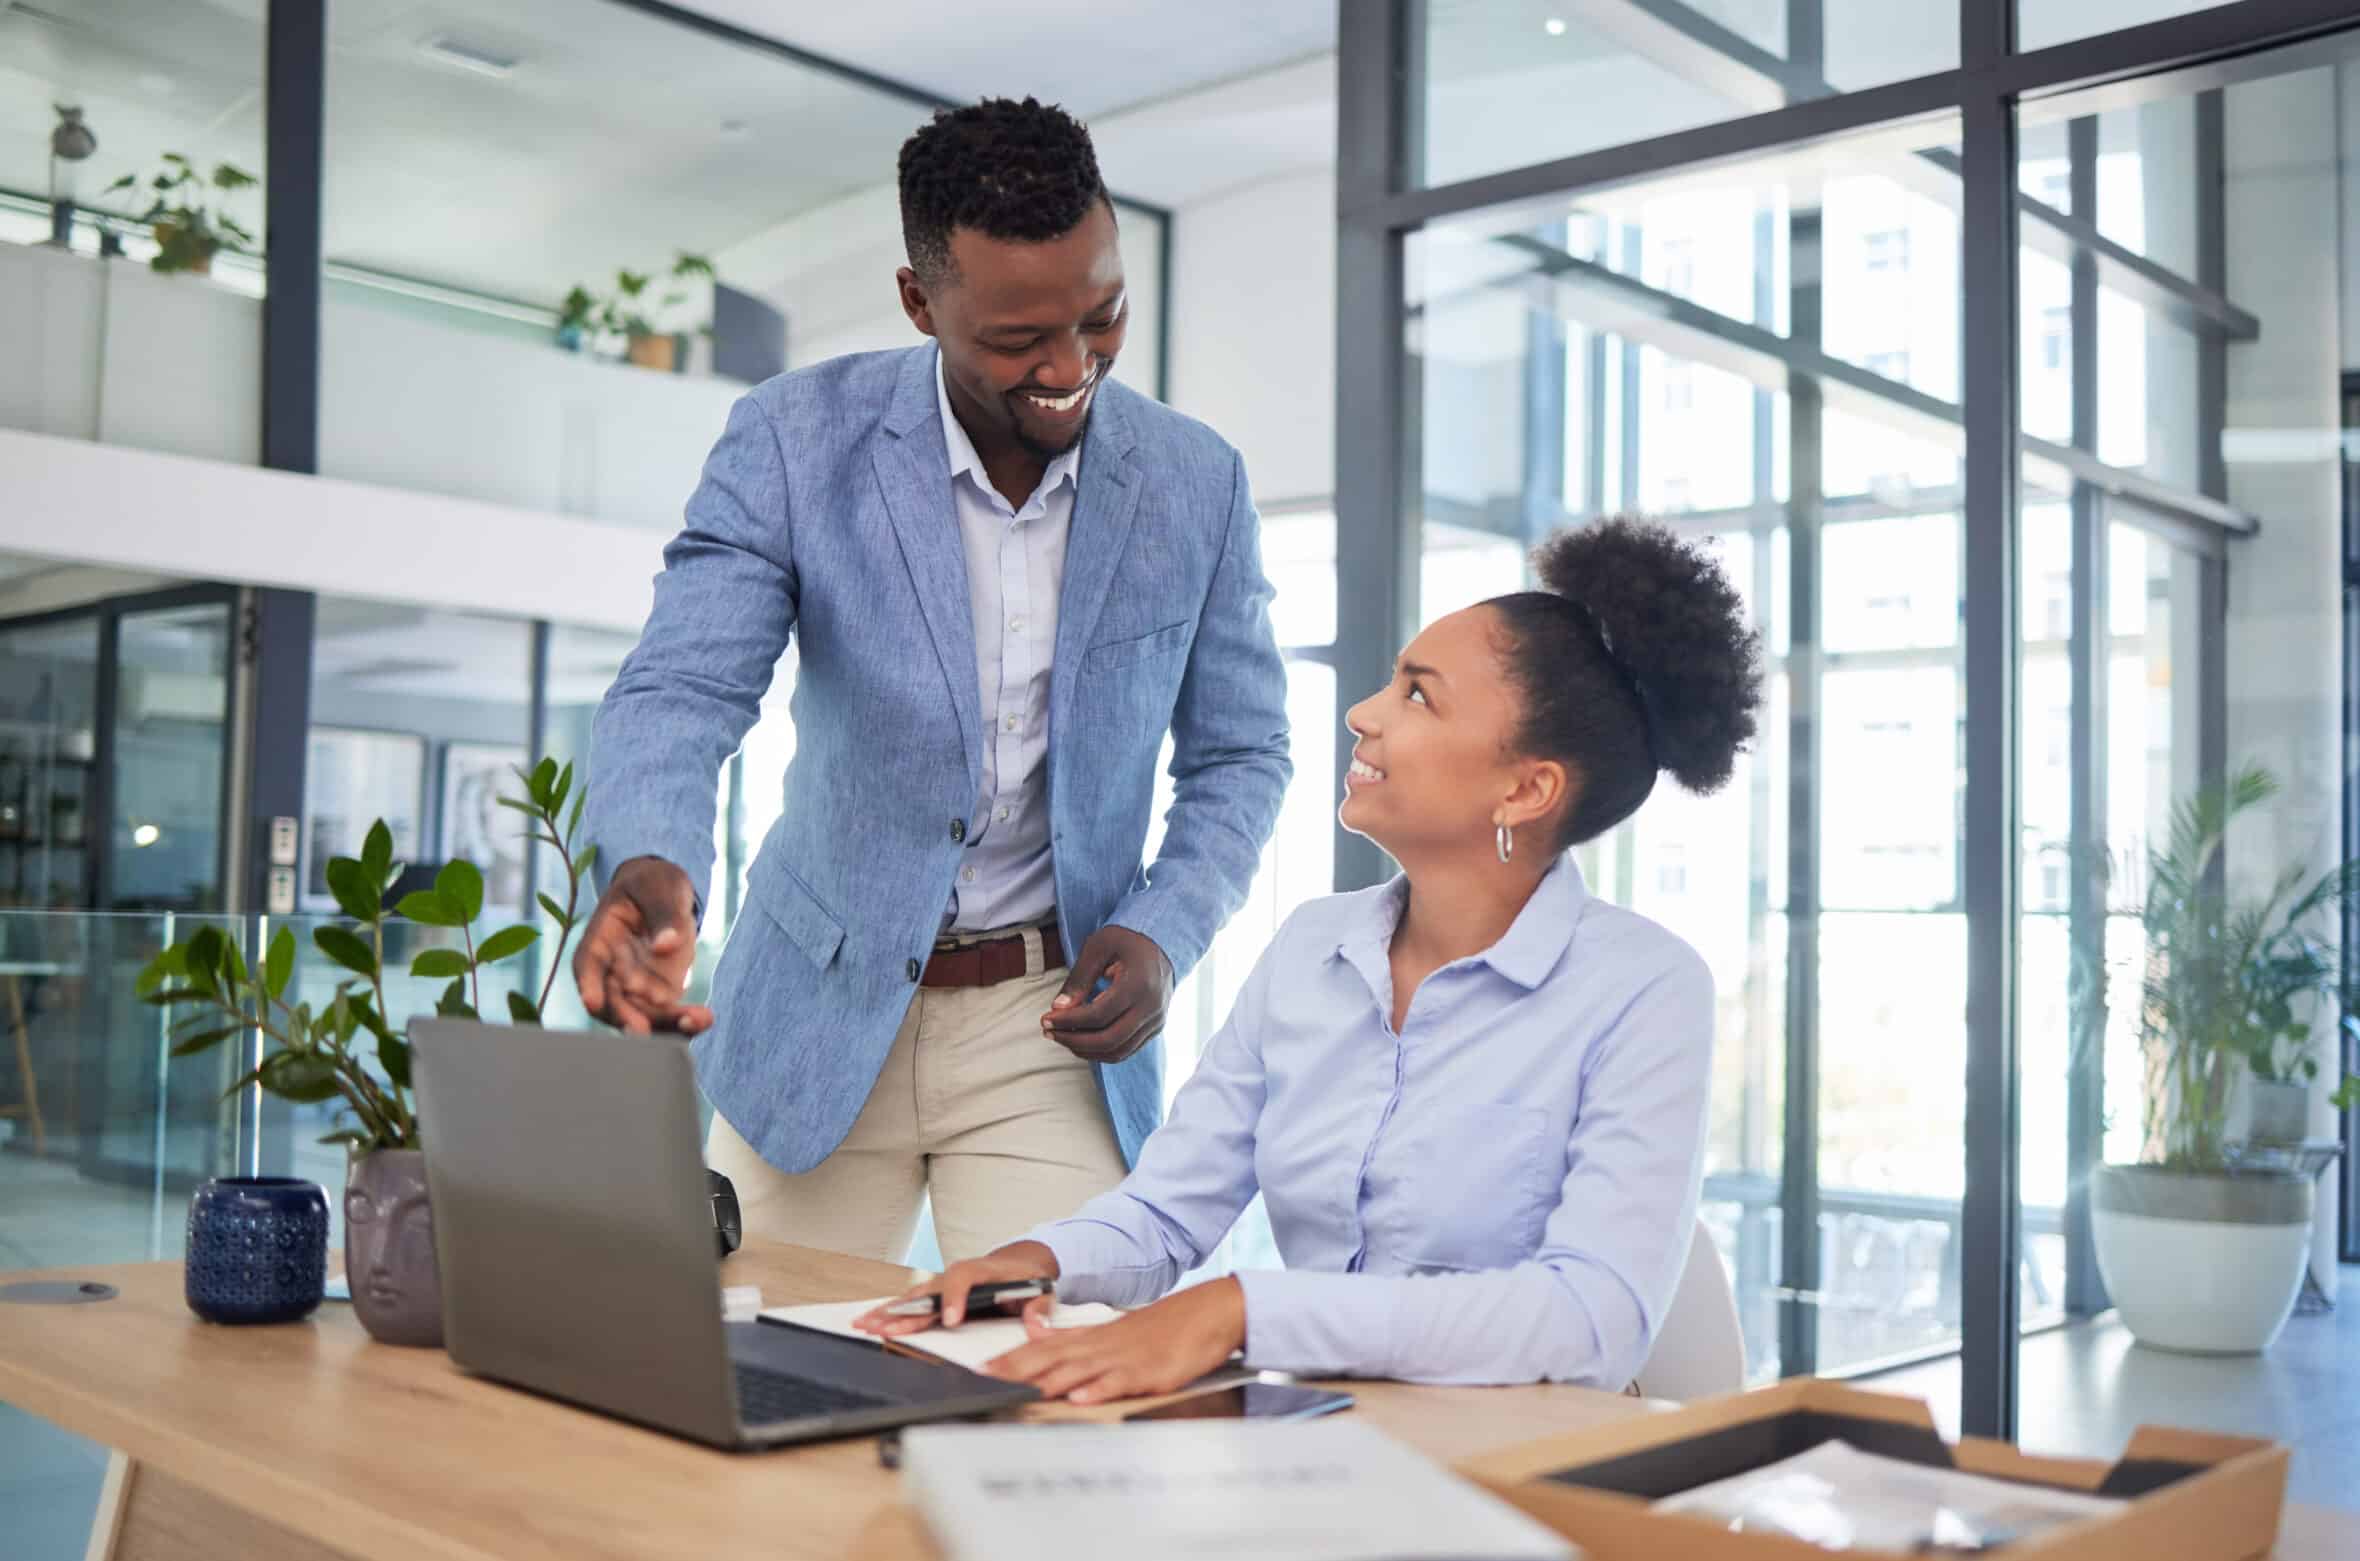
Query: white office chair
{"type": "Point", "coordinates": [1700, 1349]}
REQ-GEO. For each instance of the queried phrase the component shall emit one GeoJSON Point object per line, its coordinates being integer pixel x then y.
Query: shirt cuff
{"type": "Point", "coordinates": [1313, 1324]}
{"type": "Point", "coordinates": [1095, 1263]}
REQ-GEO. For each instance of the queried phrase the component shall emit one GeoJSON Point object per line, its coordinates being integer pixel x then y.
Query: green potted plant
{"type": "Point", "coordinates": [349, 1050]}
{"type": "Point", "coordinates": [629, 314]}
{"type": "Point", "coordinates": [188, 212]}
{"type": "Point", "coordinates": [2201, 1253]}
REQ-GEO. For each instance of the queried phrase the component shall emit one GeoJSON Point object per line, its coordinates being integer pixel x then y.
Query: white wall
{"type": "Point", "coordinates": [1254, 328]}
{"type": "Point", "coordinates": [70, 500]}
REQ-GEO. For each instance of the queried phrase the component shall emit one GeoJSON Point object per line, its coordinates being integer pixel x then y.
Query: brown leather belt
{"type": "Point", "coordinates": [990, 962]}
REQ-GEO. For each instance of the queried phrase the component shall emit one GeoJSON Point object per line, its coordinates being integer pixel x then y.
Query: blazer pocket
{"type": "Point", "coordinates": [796, 911]}
{"type": "Point", "coordinates": [1144, 647]}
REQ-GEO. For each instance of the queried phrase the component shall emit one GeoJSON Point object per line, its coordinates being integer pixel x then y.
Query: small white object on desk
{"type": "Point", "coordinates": [1242, 1490]}
{"type": "Point", "coordinates": [740, 1303]}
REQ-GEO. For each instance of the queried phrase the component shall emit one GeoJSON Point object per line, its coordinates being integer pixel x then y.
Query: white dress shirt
{"type": "Point", "coordinates": [1501, 1191]}
{"type": "Point", "coordinates": [1015, 568]}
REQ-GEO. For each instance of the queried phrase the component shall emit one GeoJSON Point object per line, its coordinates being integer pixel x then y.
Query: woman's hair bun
{"type": "Point", "coordinates": [1671, 622]}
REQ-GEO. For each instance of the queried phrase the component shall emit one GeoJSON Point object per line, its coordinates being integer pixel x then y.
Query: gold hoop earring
{"type": "Point", "coordinates": [1506, 841]}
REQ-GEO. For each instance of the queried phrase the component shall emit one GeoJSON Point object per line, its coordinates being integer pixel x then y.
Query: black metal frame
{"type": "Point", "coordinates": [1381, 201]}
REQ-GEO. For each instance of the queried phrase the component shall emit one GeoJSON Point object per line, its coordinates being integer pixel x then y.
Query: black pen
{"type": "Point", "coordinates": [1007, 1295]}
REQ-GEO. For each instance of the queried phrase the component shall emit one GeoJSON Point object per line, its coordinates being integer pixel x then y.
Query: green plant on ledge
{"type": "Point", "coordinates": [626, 310]}
{"type": "Point", "coordinates": [2232, 982]}
{"type": "Point", "coordinates": [189, 214]}
{"type": "Point", "coordinates": [324, 1054]}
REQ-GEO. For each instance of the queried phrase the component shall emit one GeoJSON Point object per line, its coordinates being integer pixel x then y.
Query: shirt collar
{"type": "Point", "coordinates": [1525, 954]}
{"type": "Point", "coordinates": [964, 460]}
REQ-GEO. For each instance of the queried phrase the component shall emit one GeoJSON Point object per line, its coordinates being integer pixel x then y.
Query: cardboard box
{"type": "Point", "coordinates": [2192, 1496]}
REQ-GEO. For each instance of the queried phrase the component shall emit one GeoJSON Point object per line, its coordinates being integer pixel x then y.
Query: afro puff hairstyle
{"type": "Point", "coordinates": [1022, 171]}
{"type": "Point", "coordinates": [1634, 658]}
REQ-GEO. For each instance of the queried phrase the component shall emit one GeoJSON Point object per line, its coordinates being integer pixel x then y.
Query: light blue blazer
{"type": "Point", "coordinates": [825, 512]}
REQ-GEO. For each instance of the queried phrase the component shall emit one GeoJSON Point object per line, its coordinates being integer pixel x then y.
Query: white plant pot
{"type": "Point", "coordinates": [2198, 1263]}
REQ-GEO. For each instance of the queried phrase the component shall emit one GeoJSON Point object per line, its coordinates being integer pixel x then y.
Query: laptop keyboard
{"type": "Point", "coordinates": [766, 1397]}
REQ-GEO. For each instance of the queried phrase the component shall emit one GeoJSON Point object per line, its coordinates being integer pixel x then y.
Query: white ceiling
{"type": "Point", "coordinates": [1092, 56]}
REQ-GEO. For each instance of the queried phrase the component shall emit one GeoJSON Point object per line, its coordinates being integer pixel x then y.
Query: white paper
{"type": "Point", "coordinates": [1320, 1490]}
{"type": "Point", "coordinates": [973, 1342]}
{"type": "Point", "coordinates": [1840, 1498]}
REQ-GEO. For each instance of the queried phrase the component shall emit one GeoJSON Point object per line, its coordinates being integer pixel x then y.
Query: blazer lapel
{"type": "Point", "coordinates": [914, 472]}
{"type": "Point", "coordinates": [1094, 543]}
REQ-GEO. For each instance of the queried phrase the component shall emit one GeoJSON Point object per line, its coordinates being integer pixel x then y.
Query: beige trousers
{"type": "Point", "coordinates": [1003, 1126]}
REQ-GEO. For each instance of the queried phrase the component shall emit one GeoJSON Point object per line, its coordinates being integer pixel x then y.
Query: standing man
{"type": "Point", "coordinates": [1010, 577]}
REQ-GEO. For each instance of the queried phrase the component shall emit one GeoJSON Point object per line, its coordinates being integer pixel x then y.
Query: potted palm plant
{"type": "Point", "coordinates": [2200, 1251]}
{"type": "Point", "coordinates": [188, 212]}
{"type": "Point", "coordinates": [349, 1050]}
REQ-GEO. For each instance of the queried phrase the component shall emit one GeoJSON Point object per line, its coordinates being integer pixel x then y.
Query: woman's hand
{"type": "Point", "coordinates": [1154, 1350]}
{"type": "Point", "coordinates": [1017, 1260]}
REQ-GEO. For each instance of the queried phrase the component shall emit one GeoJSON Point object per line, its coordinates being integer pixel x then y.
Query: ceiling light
{"type": "Point", "coordinates": [1554, 26]}
{"type": "Point", "coordinates": [450, 49]}
{"type": "Point", "coordinates": [146, 835]}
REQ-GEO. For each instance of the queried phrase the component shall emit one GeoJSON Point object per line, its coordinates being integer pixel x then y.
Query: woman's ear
{"type": "Point", "coordinates": [1544, 790]}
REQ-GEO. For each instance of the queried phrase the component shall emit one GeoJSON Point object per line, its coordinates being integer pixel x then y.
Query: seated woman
{"type": "Point", "coordinates": [1473, 1099]}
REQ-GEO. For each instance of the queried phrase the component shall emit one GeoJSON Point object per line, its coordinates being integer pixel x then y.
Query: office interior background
{"type": "Point", "coordinates": [2005, 351]}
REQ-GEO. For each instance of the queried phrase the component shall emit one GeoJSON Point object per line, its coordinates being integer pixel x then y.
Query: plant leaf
{"type": "Point", "coordinates": [355, 889]}
{"type": "Point", "coordinates": [179, 994]}
{"type": "Point", "coordinates": [439, 964]}
{"type": "Point", "coordinates": [506, 944]}
{"type": "Point", "coordinates": [454, 1003]}
{"type": "Point", "coordinates": [543, 784]}
{"type": "Point", "coordinates": [307, 1078]}
{"type": "Point", "coordinates": [460, 884]}
{"type": "Point", "coordinates": [521, 1009]}
{"type": "Point", "coordinates": [557, 915]}
{"type": "Point", "coordinates": [205, 1041]}
{"type": "Point", "coordinates": [351, 1137]}
{"type": "Point", "coordinates": [279, 967]}
{"type": "Point", "coordinates": [583, 862]}
{"type": "Point", "coordinates": [377, 851]}
{"type": "Point", "coordinates": [428, 908]}
{"type": "Point", "coordinates": [574, 822]}
{"type": "Point", "coordinates": [201, 958]}
{"type": "Point", "coordinates": [345, 947]}
{"type": "Point", "coordinates": [393, 1055]}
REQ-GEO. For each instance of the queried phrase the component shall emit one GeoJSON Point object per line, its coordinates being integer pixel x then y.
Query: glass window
{"type": "Point", "coordinates": [1510, 85]}
{"type": "Point", "coordinates": [131, 202]}
{"type": "Point", "coordinates": [48, 755]}
{"type": "Point", "coordinates": [2040, 23]}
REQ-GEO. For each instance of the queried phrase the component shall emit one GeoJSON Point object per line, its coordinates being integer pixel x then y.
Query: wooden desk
{"type": "Point", "coordinates": [273, 1444]}
{"type": "Point", "coordinates": [269, 1444]}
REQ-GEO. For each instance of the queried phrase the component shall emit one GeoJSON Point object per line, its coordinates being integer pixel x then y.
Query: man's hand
{"type": "Point", "coordinates": [1124, 1017]}
{"type": "Point", "coordinates": [1154, 1350]}
{"type": "Point", "coordinates": [635, 956]}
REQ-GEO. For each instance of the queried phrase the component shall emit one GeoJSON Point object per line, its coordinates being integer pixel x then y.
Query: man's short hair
{"type": "Point", "coordinates": [1009, 170]}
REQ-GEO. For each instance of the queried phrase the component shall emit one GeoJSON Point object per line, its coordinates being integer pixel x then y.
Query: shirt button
{"type": "Point", "coordinates": [1009, 723]}
{"type": "Point", "coordinates": [1016, 625]}
{"type": "Point", "coordinates": [1002, 815]}
{"type": "Point", "coordinates": [967, 875]}
{"type": "Point", "coordinates": [914, 970]}
{"type": "Point", "coordinates": [958, 829]}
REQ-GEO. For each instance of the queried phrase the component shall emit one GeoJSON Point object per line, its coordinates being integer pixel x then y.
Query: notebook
{"type": "Point", "coordinates": [1243, 1490]}
{"type": "Point", "coordinates": [973, 1342]}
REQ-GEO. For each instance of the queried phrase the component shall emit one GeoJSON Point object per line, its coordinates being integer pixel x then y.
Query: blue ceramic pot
{"type": "Point", "coordinates": [257, 1249]}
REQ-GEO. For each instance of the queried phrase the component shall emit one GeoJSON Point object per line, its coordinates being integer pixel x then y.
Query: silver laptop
{"type": "Point", "coordinates": [576, 1240]}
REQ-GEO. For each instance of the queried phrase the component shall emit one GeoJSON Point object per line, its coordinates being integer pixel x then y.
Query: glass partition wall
{"type": "Point", "coordinates": [2011, 403]}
